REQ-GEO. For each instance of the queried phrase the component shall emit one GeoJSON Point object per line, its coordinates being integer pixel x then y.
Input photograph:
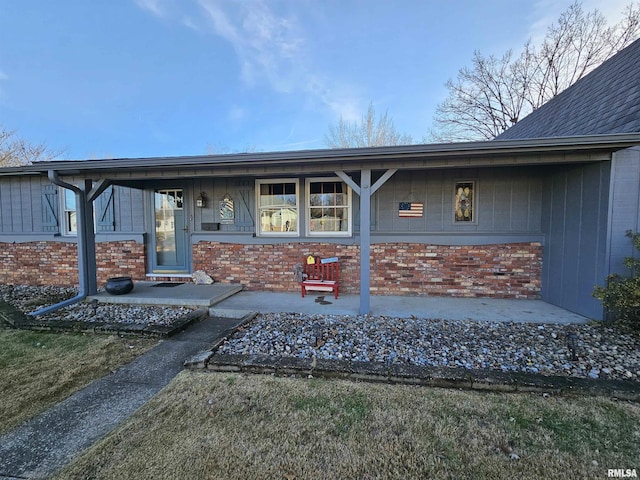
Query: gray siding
{"type": "Point", "coordinates": [128, 211]}
{"type": "Point", "coordinates": [30, 205]}
{"type": "Point", "coordinates": [574, 221]}
{"type": "Point", "coordinates": [242, 191]}
{"type": "Point", "coordinates": [625, 207]}
{"type": "Point", "coordinates": [507, 201]}
{"type": "Point", "coordinates": [21, 204]}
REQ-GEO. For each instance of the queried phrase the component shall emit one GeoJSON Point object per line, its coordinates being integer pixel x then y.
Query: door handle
{"type": "Point", "coordinates": [186, 228]}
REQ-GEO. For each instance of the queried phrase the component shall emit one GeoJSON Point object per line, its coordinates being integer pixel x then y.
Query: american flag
{"type": "Point", "coordinates": [410, 209]}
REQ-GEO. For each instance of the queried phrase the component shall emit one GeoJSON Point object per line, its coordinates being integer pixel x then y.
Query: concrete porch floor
{"type": "Point", "coordinates": [489, 309]}
{"type": "Point", "coordinates": [185, 294]}
{"type": "Point", "coordinates": [227, 300]}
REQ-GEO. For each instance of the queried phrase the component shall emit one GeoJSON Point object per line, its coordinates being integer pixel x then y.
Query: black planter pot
{"type": "Point", "coordinates": [119, 285]}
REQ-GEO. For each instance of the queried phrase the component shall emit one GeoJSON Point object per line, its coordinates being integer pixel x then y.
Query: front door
{"type": "Point", "coordinates": [171, 232]}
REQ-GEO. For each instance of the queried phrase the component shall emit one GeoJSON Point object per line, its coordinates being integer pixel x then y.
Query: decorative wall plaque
{"type": "Point", "coordinates": [227, 213]}
{"type": "Point", "coordinates": [464, 202]}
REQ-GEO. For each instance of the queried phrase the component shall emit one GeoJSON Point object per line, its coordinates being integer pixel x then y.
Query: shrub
{"type": "Point", "coordinates": [621, 295]}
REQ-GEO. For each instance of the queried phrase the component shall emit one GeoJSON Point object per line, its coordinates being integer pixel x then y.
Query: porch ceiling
{"type": "Point", "coordinates": [432, 156]}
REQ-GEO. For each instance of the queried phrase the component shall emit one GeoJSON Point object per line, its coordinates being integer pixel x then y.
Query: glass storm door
{"type": "Point", "coordinates": [171, 232]}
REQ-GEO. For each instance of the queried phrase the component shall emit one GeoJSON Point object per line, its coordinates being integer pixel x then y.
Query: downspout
{"type": "Point", "coordinates": [82, 275]}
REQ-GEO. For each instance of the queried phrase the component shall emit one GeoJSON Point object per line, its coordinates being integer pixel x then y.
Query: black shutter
{"type": "Point", "coordinates": [50, 207]}
{"type": "Point", "coordinates": [105, 211]}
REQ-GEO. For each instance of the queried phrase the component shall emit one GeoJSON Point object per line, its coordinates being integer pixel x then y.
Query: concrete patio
{"type": "Point", "coordinates": [228, 300]}
{"type": "Point", "coordinates": [480, 309]}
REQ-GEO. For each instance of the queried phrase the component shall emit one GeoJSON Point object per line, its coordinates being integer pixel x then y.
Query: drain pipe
{"type": "Point", "coordinates": [83, 246]}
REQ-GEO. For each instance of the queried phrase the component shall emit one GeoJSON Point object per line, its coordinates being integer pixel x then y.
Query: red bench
{"type": "Point", "coordinates": [320, 276]}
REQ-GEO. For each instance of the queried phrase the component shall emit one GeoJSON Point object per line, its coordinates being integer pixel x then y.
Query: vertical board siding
{"type": "Point", "coordinates": [4, 202]}
{"type": "Point", "coordinates": [534, 212]}
{"type": "Point", "coordinates": [36, 207]}
{"type": "Point", "coordinates": [16, 207]}
{"type": "Point", "coordinates": [507, 201]}
{"type": "Point", "coordinates": [21, 205]}
{"type": "Point", "coordinates": [625, 205]}
{"type": "Point", "coordinates": [104, 211]}
{"type": "Point", "coordinates": [590, 271]}
{"type": "Point", "coordinates": [555, 238]}
{"type": "Point", "coordinates": [485, 214]}
{"type": "Point", "coordinates": [435, 208]}
{"type": "Point", "coordinates": [503, 196]}
{"type": "Point", "coordinates": [519, 205]}
{"type": "Point", "coordinates": [573, 233]}
{"type": "Point", "coordinates": [24, 207]}
{"type": "Point", "coordinates": [26, 213]}
{"type": "Point", "coordinates": [574, 214]}
{"type": "Point", "coordinates": [128, 209]}
{"type": "Point", "coordinates": [121, 209]}
{"type": "Point", "coordinates": [243, 193]}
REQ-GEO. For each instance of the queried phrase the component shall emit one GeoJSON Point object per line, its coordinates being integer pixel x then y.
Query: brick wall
{"type": "Point", "coordinates": [39, 263]}
{"type": "Point", "coordinates": [56, 263]}
{"type": "Point", "coordinates": [501, 271]}
{"type": "Point", "coordinates": [120, 259]}
{"type": "Point", "coordinates": [270, 267]}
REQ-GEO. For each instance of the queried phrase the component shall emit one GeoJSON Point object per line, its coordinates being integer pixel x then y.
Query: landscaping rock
{"type": "Point", "coordinates": [601, 352]}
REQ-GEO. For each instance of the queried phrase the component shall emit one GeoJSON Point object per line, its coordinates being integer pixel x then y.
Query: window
{"type": "Point", "coordinates": [277, 207]}
{"type": "Point", "coordinates": [69, 210]}
{"type": "Point", "coordinates": [69, 223]}
{"type": "Point", "coordinates": [328, 207]}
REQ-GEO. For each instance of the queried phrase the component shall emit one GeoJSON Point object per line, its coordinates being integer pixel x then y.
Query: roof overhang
{"type": "Point", "coordinates": [541, 151]}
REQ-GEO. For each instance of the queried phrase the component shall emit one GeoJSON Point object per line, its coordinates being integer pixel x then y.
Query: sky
{"type": "Point", "coordinates": [146, 78]}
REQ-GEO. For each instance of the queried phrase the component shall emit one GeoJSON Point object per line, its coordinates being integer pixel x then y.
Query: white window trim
{"type": "Point", "coordinates": [62, 221]}
{"type": "Point", "coordinates": [64, 225]}
{"type": "Point", "coordinates": [258, 222]}
{"type": "Point", "coordinates": [349, 206]}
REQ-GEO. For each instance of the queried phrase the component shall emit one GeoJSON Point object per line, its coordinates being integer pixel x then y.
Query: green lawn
{"type": "Point", "coordinates": [228, 426]}
{"type": "Point", "coordinates": [38, 370]}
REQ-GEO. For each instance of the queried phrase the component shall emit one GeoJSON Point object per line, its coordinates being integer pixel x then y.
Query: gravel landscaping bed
{"type": "Point", "coordinates": [28, 299]}
{"type": "Point", "coordinates": [589, 351]}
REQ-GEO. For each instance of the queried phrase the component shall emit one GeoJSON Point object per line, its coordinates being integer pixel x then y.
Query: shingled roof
{"type": "Point", "coordinates": [605, 101]}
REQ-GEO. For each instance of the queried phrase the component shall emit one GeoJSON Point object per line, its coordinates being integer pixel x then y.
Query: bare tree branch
{"type": "Point", "coordinates": [369, 132]}
{"type": "Point", "coordinates": [16, 151]}
{"type": "Point", "coordinates": [494, 93]}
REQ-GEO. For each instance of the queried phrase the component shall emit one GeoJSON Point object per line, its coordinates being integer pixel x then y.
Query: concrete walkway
{"type": "Point", "coordinates": [482, 309]}
{"type": "Point", "coordinates": [49, 441]}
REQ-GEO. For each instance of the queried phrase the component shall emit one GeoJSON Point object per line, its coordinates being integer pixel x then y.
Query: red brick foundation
{"type": "Point", "coordinates": [120, 259]}
{"type": "Point", "coordinates": [501, 271]}
{"type": "Point", "coordinates": [56, 263]}
{"type": "Point", "coordinates": [39, 263]}
{"type": "Point", "coordinates": [270, 267]}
